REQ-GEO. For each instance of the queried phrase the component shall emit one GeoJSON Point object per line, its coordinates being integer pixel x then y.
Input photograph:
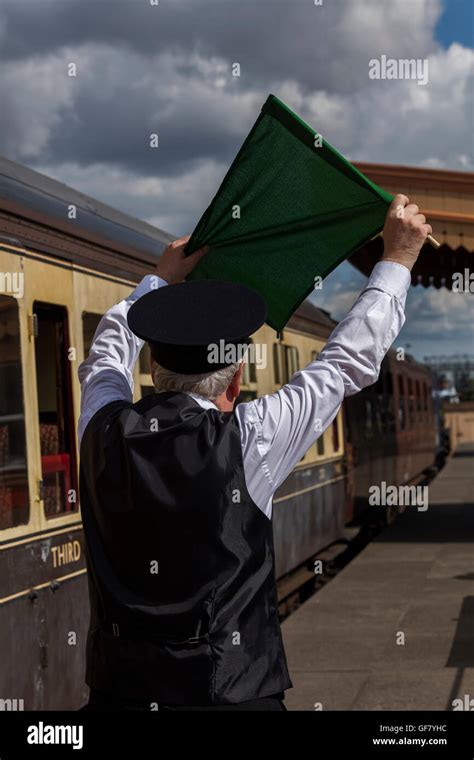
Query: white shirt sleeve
{"type": "Point", "coordinates": [278, 429]}
{"type": "Point", "coordinates": [107, 373]}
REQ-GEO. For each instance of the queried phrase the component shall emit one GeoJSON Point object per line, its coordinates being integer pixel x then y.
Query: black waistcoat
{"type": "Point", "coordinates": [180, 559]}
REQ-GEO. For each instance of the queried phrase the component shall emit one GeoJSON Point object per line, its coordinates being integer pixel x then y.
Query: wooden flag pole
{"type": "Point", "coordinates": [429, 239]}
{"type": "Point", "coordinates": [432, 241]}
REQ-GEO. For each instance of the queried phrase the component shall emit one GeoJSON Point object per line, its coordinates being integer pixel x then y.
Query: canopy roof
{"type": "Point", "coordinates": [447, 200]}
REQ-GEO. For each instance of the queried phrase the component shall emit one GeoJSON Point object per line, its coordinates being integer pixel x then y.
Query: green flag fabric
{"type": "Point", "coordinates": [289, 210]}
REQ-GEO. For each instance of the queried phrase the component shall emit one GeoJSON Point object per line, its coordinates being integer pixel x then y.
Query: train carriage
{"type": "Point", "coordinates": [65, 259]}
{"type": "Point", "coordinates": [391, 428]}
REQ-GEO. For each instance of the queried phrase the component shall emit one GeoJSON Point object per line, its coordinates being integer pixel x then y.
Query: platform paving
{"type": "Point", "coordinates": [413, 584]}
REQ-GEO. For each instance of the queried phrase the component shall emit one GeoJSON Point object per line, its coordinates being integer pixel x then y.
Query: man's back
{"type": "Point", "coordinates": [191, 616]}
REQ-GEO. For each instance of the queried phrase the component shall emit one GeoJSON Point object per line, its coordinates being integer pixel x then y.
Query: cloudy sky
{"type": "Point", "coordinates": [167, 68]}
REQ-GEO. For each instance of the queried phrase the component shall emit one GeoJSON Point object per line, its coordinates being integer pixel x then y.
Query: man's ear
{"type": "Point", "coordinates": [234, 386]}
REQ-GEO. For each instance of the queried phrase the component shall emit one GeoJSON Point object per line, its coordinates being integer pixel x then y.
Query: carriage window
{"type": "Point", "coordinates": [401, 403]}
{"type": "Point", "coordinates": [320, 445]}
{"type": "Point", "coordinates": [426, 400]}
{"type": "Point", "coordinates": [90, 323]}
{"type": "Point", "coordinates": [280, 368]}
{"type": "Point", "coordinates": [411, 403]}
{"type": "Point", "coordinates": [418, 400]}
{"type": "Point", "coordinates": [249, 374]}
{"type": "Point", "coordinates": [292, 360]}
{"type": "Point", "coordinates": [335, 436]}
{"type": "Point", "coordinates": [390, 415]}
{"type": "Point", "coordinates": [14, 502]}
{"type": "Point", "coordinates": [429, 400]}
{"type": "Point", "coordinates": [56, 419]}
{"type": "Point", "coordinates": [245, 380]}
{"type": "Point", "coordinates": [285, 362]}
{"type": "Point", "coordinates": [252, 368]}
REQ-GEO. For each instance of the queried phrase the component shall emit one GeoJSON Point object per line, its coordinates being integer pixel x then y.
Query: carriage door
{"type": "Point", "coordinates": [55, 410]}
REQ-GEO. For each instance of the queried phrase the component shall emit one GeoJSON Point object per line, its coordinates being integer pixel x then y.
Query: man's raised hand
{"type": "Point", "coordinates": [173, 265]}
{"type": "Point", "coordinates": [405, 232]}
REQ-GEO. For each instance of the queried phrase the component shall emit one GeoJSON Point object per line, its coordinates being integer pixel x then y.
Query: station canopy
{"type": "Point", "coordinates": [447, 200]}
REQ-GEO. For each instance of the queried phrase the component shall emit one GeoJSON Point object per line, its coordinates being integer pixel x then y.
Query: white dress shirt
{"type": "Point", "coordinates": [278, 429]}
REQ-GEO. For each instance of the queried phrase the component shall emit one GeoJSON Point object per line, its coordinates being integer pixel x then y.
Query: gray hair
{"type": "Point", "coordinates": [210, 384]}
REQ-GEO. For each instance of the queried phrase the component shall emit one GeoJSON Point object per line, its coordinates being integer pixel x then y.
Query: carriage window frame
{"type": "Point", "coordinates": [280, 367]}
{"type": "Point", "coordinates": [426, 394]}
{"type": "Point", "coordinates": [60, 467]}
{"type": "Point", "coordinates": [26, 513]}
{"type": "Point", "coordinates": [389, 402]}
{"type": "Point", "coordinates": [320, 446]}
{"type": "Point", "coordinates": [336, 438]}
{"type": "Point", "coordinates": [249, 373]}
{"type": "Point", "coordinates": [402, 406]}
{"type": "Point", "coordinates": [292, 360]}
{"type": "Point", "coordinates": [418, 404]}
{"type": "Point", "coordinates": [429, 399]}
{"type": "Point", "coordinates": [286, 361]}
{"type": "Point", "coordinates": [411, 402]}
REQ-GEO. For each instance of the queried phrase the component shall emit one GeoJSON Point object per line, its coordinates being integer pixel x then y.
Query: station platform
{"type": "Point", "coordinates": [413, 583]}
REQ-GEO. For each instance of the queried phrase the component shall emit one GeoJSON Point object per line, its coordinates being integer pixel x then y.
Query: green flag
{"type": "Point", "coordinates": [289, 210]}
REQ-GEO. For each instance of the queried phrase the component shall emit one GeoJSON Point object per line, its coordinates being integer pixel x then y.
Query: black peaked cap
{"type": "Point", "coordinates": [182, 321]}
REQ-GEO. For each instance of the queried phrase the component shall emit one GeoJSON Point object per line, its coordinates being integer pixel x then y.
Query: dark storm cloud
{"type": "Point", "coordinates": [117, 107]}
{"type": "Point", "coordinates": [139, 72]}
{"type": "Point", "coordinates": [269, 37]}
{"type": "Point", "coordinates": [128, 93]}
{"type": "Point", "coordinates": [272, 39]}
